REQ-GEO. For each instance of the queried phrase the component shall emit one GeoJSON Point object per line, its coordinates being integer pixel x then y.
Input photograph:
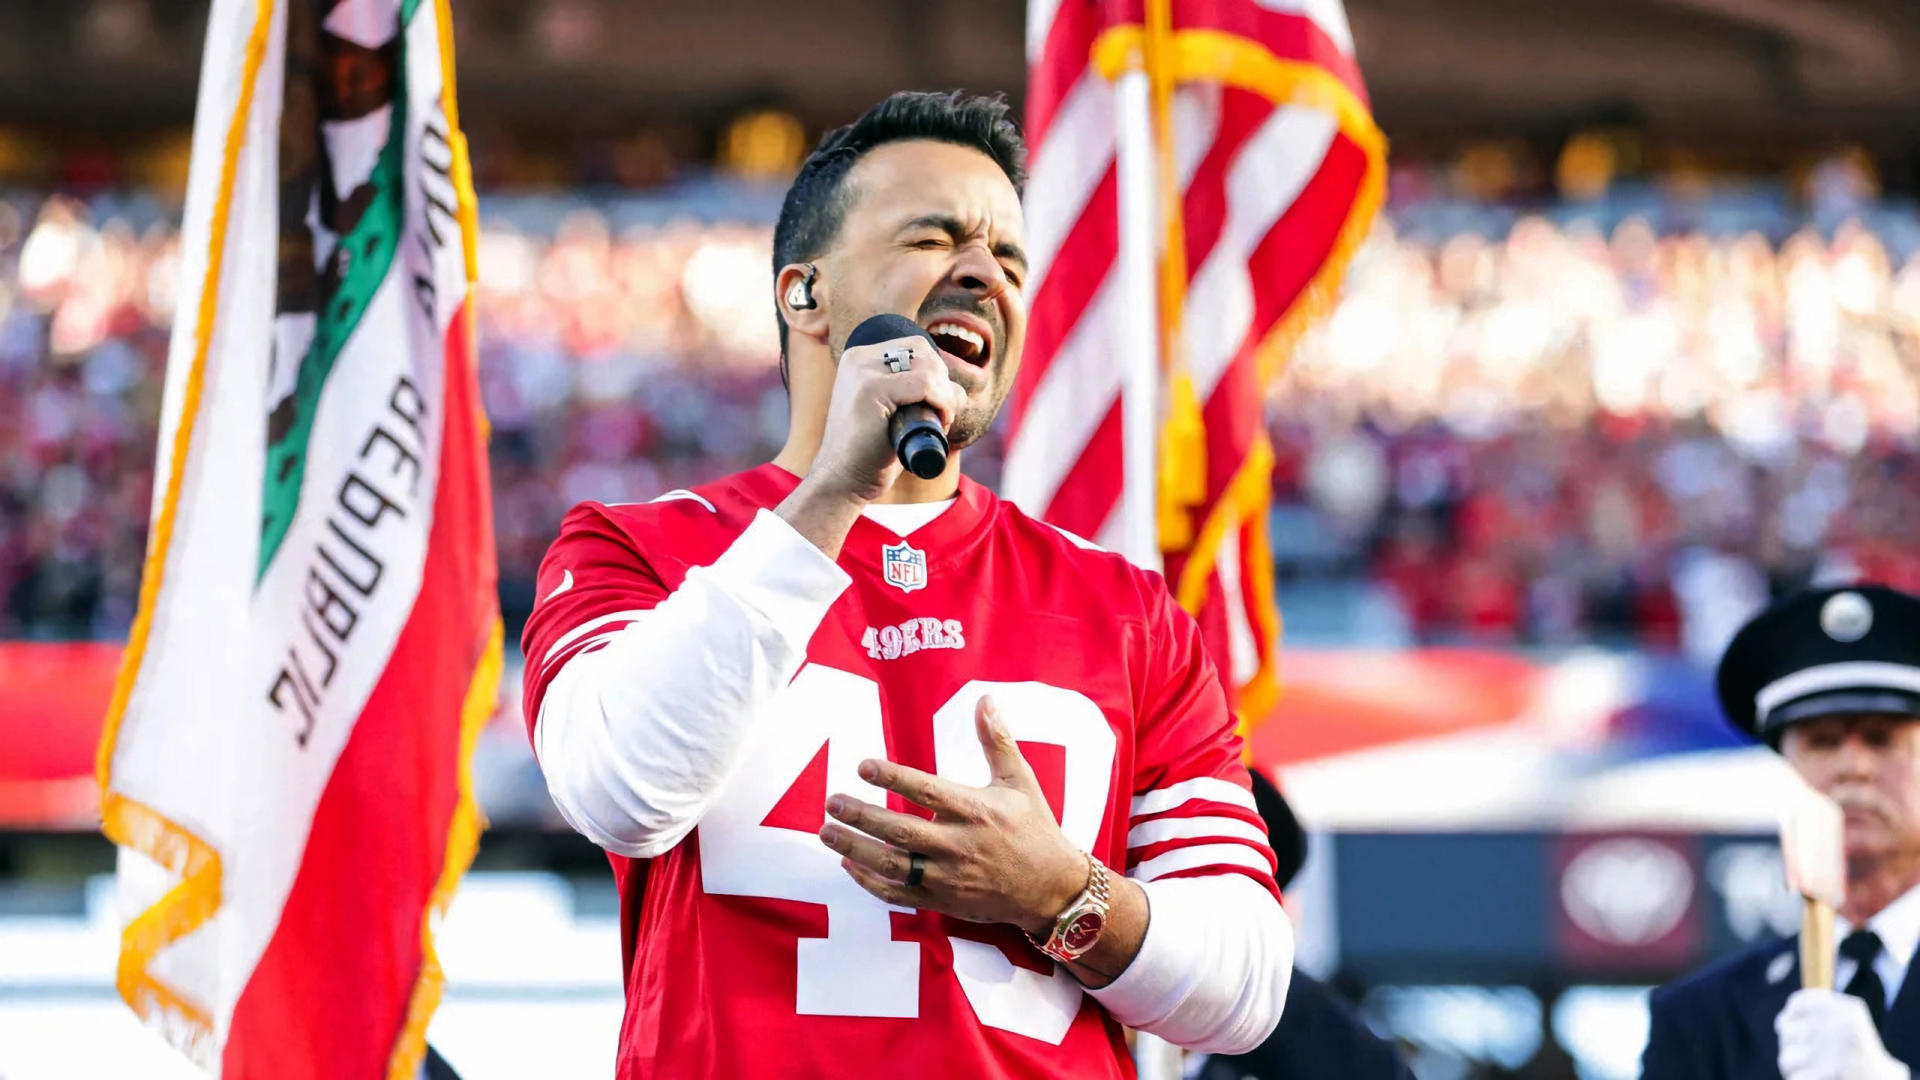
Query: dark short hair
{"type": "Point", "coordinates": [817, 202]}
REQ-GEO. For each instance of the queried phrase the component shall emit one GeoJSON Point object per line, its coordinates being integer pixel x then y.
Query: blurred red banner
{"type": "Point", "coordinates": [53, 696]}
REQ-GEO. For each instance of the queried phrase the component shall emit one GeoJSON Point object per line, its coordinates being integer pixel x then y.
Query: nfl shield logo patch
{"type": "Point", "coordinates": [905, 568]}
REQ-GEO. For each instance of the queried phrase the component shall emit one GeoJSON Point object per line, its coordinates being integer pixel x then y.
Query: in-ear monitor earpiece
{"type": "Point", "coordinates": [800, 293]}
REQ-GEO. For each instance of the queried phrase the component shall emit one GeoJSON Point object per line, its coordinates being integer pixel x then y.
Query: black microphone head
{"type": "Point", "coordinates": [924, 452]}
{"type": "Point", "coordinates": [887, 327]}
{"type": "Point", "coordinates": [918, 440]}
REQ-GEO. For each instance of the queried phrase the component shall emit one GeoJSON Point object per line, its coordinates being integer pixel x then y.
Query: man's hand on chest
{"type": "Point", "coordinates": [990, 855]}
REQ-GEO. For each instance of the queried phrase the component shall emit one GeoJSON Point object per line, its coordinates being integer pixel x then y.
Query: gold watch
{"type": "Point", "coordinates": [1078, 927]}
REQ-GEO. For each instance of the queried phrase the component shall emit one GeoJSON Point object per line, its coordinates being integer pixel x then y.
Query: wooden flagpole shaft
{"type": "Point", "coordinates": [1816, 945]}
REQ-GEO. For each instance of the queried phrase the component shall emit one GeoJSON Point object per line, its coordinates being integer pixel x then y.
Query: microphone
{"type": "Point", "coordinates": [918, 439]}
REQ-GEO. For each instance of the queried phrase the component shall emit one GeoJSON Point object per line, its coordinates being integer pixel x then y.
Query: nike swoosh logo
{"type": "Point", "coordinates": [683, 493]}
{"type": "Point", "coordinates": [566, 582]}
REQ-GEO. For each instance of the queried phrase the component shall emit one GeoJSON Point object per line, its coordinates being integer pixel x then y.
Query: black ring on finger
{"type": "Point", "coordinates": [916, 870]}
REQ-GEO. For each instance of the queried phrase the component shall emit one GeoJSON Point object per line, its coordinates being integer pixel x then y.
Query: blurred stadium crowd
{"type": "Point", "coordinates": [1522, 428]}
{"type": "Point", "coordinates": [1560, 432]}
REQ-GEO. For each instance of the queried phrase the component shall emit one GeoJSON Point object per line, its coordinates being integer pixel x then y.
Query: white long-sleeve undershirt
{"type": "Point", "coordinates": [638, 737]}
{"type": "Point", "coordinates": [1213, 970]}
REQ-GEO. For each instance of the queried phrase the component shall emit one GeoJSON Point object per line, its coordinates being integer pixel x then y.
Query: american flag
{"type": "Point", "coordinates": [1281, 170]}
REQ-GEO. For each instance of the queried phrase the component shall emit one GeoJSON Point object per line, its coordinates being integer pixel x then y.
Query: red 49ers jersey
{"type": "Point", "coordinates": [748, 950]}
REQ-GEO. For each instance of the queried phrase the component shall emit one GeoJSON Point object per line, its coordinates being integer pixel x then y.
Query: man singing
{"type": "Point", "coordinates": [896, 780]}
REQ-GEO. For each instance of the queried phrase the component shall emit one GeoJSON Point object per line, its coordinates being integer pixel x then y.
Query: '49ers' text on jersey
{"type": "Point", "coordinates": [748, 951]}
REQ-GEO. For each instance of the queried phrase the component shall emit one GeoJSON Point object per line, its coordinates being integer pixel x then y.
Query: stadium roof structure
{"type": "Point", "coordinates": [1729, 69]}
{"type": "Point", "coordinates": [1792, 70]}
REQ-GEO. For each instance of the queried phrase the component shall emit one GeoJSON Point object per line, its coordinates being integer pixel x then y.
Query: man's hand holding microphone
{"type": "Point", "coordinates": [858, 460]}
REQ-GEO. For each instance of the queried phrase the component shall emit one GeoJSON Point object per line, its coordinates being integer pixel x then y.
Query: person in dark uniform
{"type": "Point", "coordinates": [436, 1067]}
{"type": "Point", "coordinates": [1319, 1033]}
{"type": "Point", "coordinates": [1830, 678]}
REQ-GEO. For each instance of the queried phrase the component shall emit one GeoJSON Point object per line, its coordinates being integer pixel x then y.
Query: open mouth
{"type": "Point", "coordinates": [966, 340]}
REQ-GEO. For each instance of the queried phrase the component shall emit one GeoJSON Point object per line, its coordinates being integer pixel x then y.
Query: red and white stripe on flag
{"type": "Point", "coordinates": [1281, 170]}
{"type": "Point", "coordinates": [285, 760]}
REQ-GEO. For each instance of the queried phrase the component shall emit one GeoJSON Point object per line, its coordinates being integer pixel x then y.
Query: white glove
{"type": "Point", "coordinates": [1826, 1035]}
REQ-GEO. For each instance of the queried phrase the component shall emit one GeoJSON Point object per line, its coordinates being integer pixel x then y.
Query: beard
{"type": "Point", "coordinates": [976, 416]}
{"type": "Point", "coordinates": [967, 428]}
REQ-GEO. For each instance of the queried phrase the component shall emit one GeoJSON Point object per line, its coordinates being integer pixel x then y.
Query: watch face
{"type": "Point", "coordinates": [1079, 934]}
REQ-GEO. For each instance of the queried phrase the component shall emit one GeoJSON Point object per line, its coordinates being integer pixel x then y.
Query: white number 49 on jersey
{"type": "Point", "coordinates": [858, 969]}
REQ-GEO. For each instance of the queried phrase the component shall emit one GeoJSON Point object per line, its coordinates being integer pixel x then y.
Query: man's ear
{"type": "Point", "coordinates": [802, 297]}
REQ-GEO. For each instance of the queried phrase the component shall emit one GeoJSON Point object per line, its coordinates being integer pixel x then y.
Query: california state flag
{"type": "Point", "coordinates": [285, 760]}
